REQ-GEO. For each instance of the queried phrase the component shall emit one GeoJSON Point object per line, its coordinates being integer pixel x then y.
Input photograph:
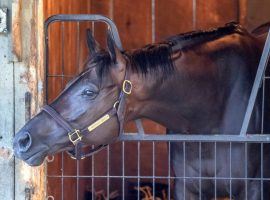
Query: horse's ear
{"type": "Point", "coordinates": [115, 53]}
{"type": "Point", "coordinates": [92, 44]}
{"type": "Point", "coordinates": [118, 71]}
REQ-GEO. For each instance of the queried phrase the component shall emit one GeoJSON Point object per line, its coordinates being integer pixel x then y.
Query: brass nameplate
{"type": "Point", "coordinates": [98, 122]}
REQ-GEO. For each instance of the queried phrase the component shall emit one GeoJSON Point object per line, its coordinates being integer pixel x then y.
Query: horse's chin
{"type": "Point", "coordinates": [35, 160]}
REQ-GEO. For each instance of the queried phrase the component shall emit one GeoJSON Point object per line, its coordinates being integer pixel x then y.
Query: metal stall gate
{"type": "Point", "coordinates": [139, 166]}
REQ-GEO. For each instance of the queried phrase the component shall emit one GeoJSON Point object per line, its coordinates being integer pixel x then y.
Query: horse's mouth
{"type": "Point", "coordinates": [36, 159]}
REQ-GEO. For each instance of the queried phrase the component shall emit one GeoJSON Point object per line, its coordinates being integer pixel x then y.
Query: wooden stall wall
{"type": "Point", "coordinates": [138, 23]}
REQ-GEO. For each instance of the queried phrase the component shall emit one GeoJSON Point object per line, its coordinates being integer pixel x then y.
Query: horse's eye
{"type": "Point", "coordinates": [89, 93]}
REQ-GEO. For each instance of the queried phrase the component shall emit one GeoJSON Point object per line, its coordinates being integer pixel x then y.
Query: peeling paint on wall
{"type": "Point", "coordinates": [3, 20]}
{"type": "Point", "coordinates": [6, 153]}
{"type": "Point", "coordinates": [21, 66]}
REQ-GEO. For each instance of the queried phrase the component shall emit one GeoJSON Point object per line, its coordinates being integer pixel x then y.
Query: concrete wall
{"type": "Point", "coordinates": [6, 112]}
{"type": "Point", "coordinates": [20, 72]}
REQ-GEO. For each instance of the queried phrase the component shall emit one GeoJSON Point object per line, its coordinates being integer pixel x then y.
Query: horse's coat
{"type": "Point", "coordinates": [194, 83]}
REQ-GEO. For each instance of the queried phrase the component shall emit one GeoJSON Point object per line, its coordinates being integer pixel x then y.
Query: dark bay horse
{"type": "Point", "coordinates": [197, 82]}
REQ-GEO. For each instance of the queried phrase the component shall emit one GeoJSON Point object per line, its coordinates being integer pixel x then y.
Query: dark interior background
{"type": "Point", "coordinates": [139, 23]}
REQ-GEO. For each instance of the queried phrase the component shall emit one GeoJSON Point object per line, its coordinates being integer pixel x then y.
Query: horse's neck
{"type": "Point", "coordinates": [218, 113]}
{"type": "Point", "coordinates": [207, 93]}
{"type": "Point", "coordinates": [183, 108]}
{"type": "Point", "coordinates": [234, 113]}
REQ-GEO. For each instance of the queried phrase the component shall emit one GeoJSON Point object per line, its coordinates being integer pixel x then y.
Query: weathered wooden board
{"type": "Point", "coordinates": [257, 13]}
{"type": "Point", "coordinates": [212, 13]}
{"type": "Point", "coordinates": [105, 8]}
{"type": "Point", "coordinates": [22, 172]}
{"type": "Point", "coordinates": [134, 22]}
{"type": "Point", "coordinates": [173, 18]}
{"type": "Point", "coordinates": [27, 34]}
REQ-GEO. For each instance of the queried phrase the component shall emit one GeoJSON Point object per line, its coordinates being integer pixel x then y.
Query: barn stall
{"type": "Point", "coordinates": [23, 85]}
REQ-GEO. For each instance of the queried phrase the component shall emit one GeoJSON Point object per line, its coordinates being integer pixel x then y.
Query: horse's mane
{"type": "Point", "coordinates": [194, 37]}
{"type": "Point", "coordinates": [156, 58]}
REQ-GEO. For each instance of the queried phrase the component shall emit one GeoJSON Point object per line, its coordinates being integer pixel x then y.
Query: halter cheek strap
{"type": "Point", "coordinates": [76, 135]}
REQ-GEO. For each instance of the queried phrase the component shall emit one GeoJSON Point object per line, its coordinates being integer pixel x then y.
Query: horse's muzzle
{"type": "Point", "coordinates": [22, 142]}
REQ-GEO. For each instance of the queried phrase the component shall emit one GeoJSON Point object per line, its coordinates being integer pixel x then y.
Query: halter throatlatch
{"type": "Point", "coordinates": [76, 135]}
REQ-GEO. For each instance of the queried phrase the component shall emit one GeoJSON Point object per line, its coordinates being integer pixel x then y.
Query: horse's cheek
{"type": "Point", "coordinates": [105, 133]}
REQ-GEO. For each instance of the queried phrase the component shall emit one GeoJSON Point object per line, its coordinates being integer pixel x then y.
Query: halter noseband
{"type": "Point", "coordinates": [75, 135]}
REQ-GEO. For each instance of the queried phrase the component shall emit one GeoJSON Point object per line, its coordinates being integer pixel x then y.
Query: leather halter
{"type": "Point", "coordinates": [75, 135]}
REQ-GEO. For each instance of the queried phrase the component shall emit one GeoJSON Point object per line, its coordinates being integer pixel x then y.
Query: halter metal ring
{"type": "Point", "coordinates": [127, 87]}
{"type": "Point", "coordinates": [74, 158]}
{"type": "Point", "coordinates": [77, 134]}
{"type": "Point", "coordinates": [116, 104]}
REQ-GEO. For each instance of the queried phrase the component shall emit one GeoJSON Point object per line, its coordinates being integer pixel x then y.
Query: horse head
{"type": "Point", "coordinates": [90, 111]}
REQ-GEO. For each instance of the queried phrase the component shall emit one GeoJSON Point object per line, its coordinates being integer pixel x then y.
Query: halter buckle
{"type": "Point", "coordinates": [75, 136]}
{"type": "Point", "coordinates": [127, 87]}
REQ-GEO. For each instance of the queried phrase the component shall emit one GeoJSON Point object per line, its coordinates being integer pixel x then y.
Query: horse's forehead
{"type": "Point", "coordinates": [93, 73]}
{"type": "Point", "coordinates": [90, 76]}
{"type": "Point", "coordinates": [81, 78]}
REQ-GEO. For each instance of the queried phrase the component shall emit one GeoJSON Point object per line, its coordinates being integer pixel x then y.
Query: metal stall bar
{"type": "Point", "coordinates": [257, 83]}
{"type": "Point", "coordinates": [196, 138]}
{"type": "Point", "coordinates": [94, 18]}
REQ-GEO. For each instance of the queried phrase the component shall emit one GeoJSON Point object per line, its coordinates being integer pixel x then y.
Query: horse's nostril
{"type": "Point", "coordinates": [24, 142]}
